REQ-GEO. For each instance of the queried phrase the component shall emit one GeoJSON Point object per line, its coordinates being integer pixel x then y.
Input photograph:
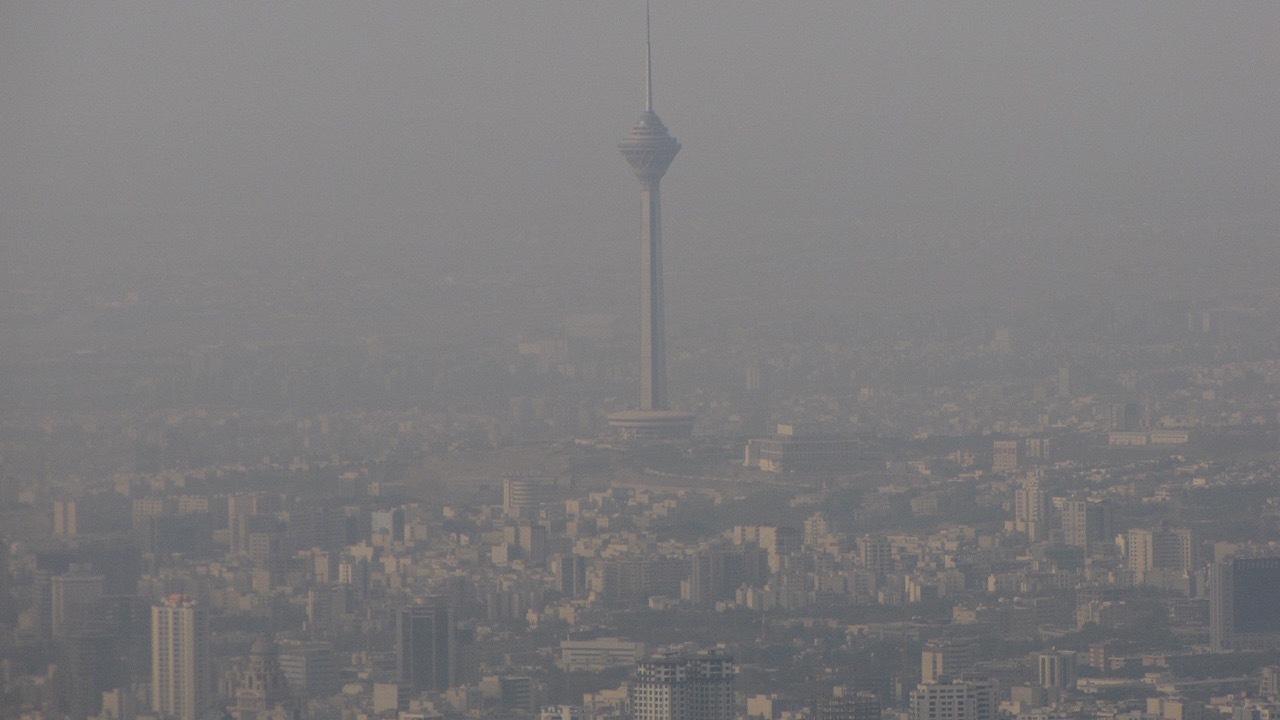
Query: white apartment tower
{"type": "Point", "coordinates": [683, 687]}
{"type": "Point", "coordinates": [180, 679]}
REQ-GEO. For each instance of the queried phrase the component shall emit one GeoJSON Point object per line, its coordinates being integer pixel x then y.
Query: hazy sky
{"type": "Point", "coordinates": [831, 149]}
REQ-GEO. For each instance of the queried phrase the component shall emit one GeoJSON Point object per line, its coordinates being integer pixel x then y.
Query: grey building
{"type": "Point", "coordinates": [309, 668]}
{"type": "Point", "coordinates": [683, 687]}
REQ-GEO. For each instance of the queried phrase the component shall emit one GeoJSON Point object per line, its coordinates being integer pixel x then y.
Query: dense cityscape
{"type": "Point", "coordinates": [292, 487]}
{"type": "Point", "coordinates": [1062, 527]}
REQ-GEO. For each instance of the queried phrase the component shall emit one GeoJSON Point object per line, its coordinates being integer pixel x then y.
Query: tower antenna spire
{"type": "Point", "coordinates": [648, 62]}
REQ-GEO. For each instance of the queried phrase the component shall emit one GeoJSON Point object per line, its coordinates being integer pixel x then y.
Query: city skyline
{"type": "Point", "coordinates": [324, 393]}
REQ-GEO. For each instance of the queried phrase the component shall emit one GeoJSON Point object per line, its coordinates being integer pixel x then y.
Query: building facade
{"type": "Point", "coordinates": [785, 451]}
{"type": "Point", "coordinates": [1004, 457]}
{"type": "Point", "coordinates": [180, 671]}
{"type": "Point", "coordinates": [1156, 554]}
{"type": "Point", "coordinates": [599, 654]}
{"type": "Point", "coordinates": [1243, 613]}
{"type": "Point", "coordinates": [943, 658]}
{"type": "Point", "coordinates": [847, 704]}
{"type": "Point", "coordinates": [1086, 523]}
{"type": "Point", "coordinates": [309, 668]}
{"type": "Point", "coordinates": [954, 700]}
{"type": "Point", "coordinates": [427, 645]}
{"type": "Point", "coordinates": [683, 687]}
{"type": "Point", "coordinates": [1057, 669]}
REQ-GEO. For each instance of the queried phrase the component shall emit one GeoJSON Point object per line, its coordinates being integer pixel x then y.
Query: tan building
{"type": "Point", "coordinates": [1031, 509]}
{"type": "Point", "coordinates": [1004, 457]}
{"type": "Point", "coordinates": [64, 518]}
{"type": "Point", "coordinates": [958, 700]}
{"type": "Point", "coordinates": [180, 675]}
{"type": "Point", "coordinates": [1057, 669]}
{"type": "Point", "coordinates": [1154, 554]}
{"type": "Point", "coordinates": [599, 654]}
{"type": "Point", "coordinates": [789, 451]}
{"type": "Point", "coordinates": [945, 658]}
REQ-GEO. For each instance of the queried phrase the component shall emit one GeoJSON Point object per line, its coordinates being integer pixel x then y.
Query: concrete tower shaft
{"type": "Point", "coordinates": [649, 150]}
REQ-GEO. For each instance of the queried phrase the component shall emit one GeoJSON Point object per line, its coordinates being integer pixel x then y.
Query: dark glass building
{"type": "Point", "coordinates": [427, 645]}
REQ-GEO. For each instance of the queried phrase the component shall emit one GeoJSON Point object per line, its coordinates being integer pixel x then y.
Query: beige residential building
{"type": "Point", "coordinates": [180, 674]}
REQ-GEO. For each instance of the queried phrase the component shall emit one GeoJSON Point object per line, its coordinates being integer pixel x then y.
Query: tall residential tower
{"type": "Point", "coordinates": [180, 675]}
{"type": "Point", "coordinates": [683, 687]}
{"type": "Point", "coordinates": [649, 149]}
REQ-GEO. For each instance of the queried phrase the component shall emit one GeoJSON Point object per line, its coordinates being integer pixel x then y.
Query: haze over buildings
{"type": "Point", "coordinates": [318, 322]}
{"type": "Point", "coordinates": [850, 157]}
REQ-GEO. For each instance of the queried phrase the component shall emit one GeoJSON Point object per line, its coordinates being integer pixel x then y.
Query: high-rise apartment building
{"type": "Point", "coordinates": [1269, 682]}
{"type": "Point", "coordinates": [90, 666]}
{"type": "Point", "coordinates": [1156, 554]}
{"type": "Point", "coordinates": [954, 700]}
{"type": "Point", "coordinates": [946, 658]}
{"type": "Point", "coordinates": [707, 579]}
{"type": "Point", "coordinates": [427, 645]}
{"type": "Point", "coordinates": [42, 602]}
{"type": "Point", "coordinates": [875, 552]}
{"type": "Point", "coordinates": [74, 599]}
{"type": "Point", "coordinates": [64, 518]}
{"type": "Point", "coordinates": [1057, 669]}
{"type": "Point", "coordinates": [527, 541]}
{"type": "Point", "coordinates": [631, 580]}
{"type": "Point", "coordinates": [1031, 509]}
{"type": "Point", "coordinates": [180, 675]}
{"type": "Point", "coordinates": [1243, 613]}
{"type": "Point", "coordinates": [846, 704]}
{"type": "Point", "coordinates": [1086, 523]}
{"type": "Point", "coordinates": [386, 526]}
{"type": "Point", "coordinates": [683, 687]}
{"type": "Point", "coordinates": [1038, 448]}
{"type": "Point", "coordinates": [1004, 457]}
{"type": "Point", "coordinates": [1126, 416]}
{"type": "Point", "coordinates": [309, 668]}
{"type": "Point", "coordinates": [571, 574]}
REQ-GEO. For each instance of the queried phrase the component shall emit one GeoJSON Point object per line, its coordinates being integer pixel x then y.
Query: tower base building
{"type": "Point", "coordinates": [652, 425]}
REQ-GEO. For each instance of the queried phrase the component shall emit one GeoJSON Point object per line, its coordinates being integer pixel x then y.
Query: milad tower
{"type": "Point", "coordinates": [649, 149]}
